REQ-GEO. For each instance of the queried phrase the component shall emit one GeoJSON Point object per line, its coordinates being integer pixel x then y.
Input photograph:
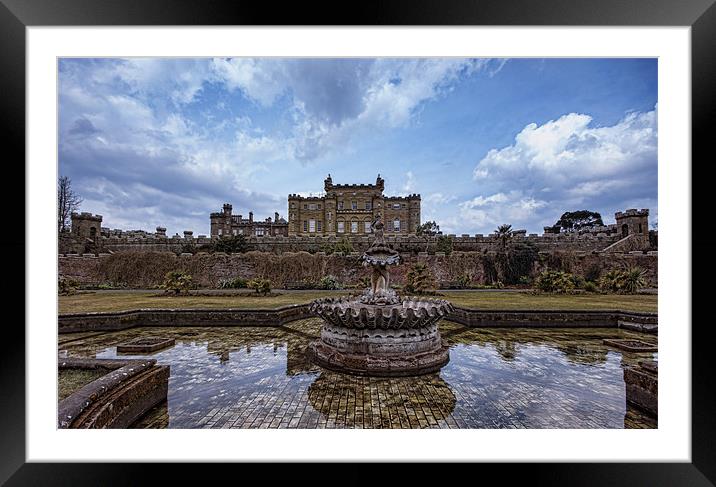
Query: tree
{"type": "Point", "coordinates": [576, 220]}
{"type": "Point", "coordinates": [504, 233]}
{"type": "Point", "coordinates": [427, 228]}
{"type": "Point", "coordinates": [419, 279]}
{"type": "Point", "coordinates": [67, 202]}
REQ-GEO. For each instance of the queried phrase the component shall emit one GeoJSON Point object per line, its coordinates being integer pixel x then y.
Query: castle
{"type": "Point", "coordinates": [350, 209]}
{"type": "Point", "coordinates": [224, 223]}
{"type": "Point", "coordinates": [347, 211]}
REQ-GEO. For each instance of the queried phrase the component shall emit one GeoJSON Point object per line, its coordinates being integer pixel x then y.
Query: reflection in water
{"type": "Point", "coordinates": [347, 401]}
{"type": "Point", "coordinates": [496, 378]}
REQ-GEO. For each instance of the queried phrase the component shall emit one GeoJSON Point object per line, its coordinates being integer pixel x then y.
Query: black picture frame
{"type": "Point", "coordinates": [16, 15]}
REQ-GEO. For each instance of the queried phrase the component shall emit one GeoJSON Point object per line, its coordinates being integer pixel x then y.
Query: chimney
{"type": "Point", "coordinates": [275, 217]}
{"type": "Point", "coordinates": [251, 217]}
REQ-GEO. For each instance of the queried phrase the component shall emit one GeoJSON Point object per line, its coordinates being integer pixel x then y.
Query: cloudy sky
{"type": "Point", "coordinates": [151, 142]}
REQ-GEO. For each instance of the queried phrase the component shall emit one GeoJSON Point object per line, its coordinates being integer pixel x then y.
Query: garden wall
{"type": "Point", "coordinates": [147, 269]}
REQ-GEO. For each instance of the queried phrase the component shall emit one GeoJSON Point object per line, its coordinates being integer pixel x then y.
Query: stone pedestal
{"type": "Point", "coordinates": [380, 340]}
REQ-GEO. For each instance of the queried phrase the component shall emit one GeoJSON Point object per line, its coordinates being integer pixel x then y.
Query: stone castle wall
{"type": "Point", "coordinates": [407, 244]}
{"type": "Point", "coordinates": [147, 269]}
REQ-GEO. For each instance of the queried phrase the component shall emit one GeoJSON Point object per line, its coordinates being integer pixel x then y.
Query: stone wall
{"type": "Point", "coordinates": [408, 244]}
{"type": "Point", "coordinates": [147, 269]}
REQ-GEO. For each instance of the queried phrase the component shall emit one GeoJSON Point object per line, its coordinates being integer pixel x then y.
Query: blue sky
{"type": "Point", "coordinates": [151, 142]}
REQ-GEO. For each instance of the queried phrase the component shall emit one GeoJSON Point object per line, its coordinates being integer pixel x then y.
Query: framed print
{"type": "Point", "coordinates": [438, 221]}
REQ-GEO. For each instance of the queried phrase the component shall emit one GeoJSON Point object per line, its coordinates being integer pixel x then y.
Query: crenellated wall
{"type": "Point", "coordinates": [406, 244]}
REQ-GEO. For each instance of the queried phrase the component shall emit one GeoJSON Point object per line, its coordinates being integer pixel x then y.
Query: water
{"type": "Point", "coordinates": [497, 378]}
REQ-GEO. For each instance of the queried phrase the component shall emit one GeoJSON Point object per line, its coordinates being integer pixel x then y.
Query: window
{"type": "Point", "coordinates": [396, 225]}
{"type": "Point", "coordinates": [305, 225]}
{"type": "Point", "coordinates": [340, 205]}
{"type": "Point", "coordinates": [260, 232]}
{"type": "Point", "coordinates": [293, 205]}
{"type": "Point", "coordinates": [235, 231]}
{"type": "Point", "coordinates": [367, 205]}
{"type": "Point", "coordinates": [330, 216]}
{"type": "Point", "coordinates": [367, 227]}
{"type": "Point", "coordinates": [305, 206]}
{"type": "Point", "coordinates": [220, 231]}
{"type": "Point", "coordinates": [311, 226]}
{"type": "Point", "coordinates": [354, 227]}
{"type": "Point", "coordinates": [319, 206]}
{"type": "Point", "coordinates": [354, 205]}
{"type": "Point", "coordinates": [403, 205]}
{"type": "Point", "coordinates": [312, 206]}
{"type": "Point", "coordinates": [341, 227]}
{"type": "Point", "coordinates": [396, 206]}
{"type": "Point", "coordinates": [318, 226]}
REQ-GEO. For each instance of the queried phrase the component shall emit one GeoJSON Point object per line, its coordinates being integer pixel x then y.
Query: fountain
{"type": "Point", "coordinates": [379, 333]}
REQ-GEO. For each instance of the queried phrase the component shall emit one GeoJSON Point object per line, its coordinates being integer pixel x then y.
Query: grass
{"type": "Point", "coordinates": [526, 300]}
{"type": "Point", "coordinates": [71, 380]}
{"type": "Point", "coordinates": [109, 301]}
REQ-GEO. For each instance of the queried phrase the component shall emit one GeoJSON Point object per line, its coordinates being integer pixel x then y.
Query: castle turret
{"type": "Point", "coordinates": [161, 232]}
{"type": "Point", "coordinates": [86, 225]}
{"type": "Point", "coordinates": [328, 183]}
{"type": "Point", "coordinates": [251, 217]}
{"type": "Point", "coordinates": [227, 209]}
{"type": "Point", "coordinates": [633, 222]}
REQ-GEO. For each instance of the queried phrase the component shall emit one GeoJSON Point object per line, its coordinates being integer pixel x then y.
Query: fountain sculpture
{"type": "Point", "coordinates": [379, 333]}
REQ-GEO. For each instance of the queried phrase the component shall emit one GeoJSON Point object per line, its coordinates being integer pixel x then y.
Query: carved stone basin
{"type": "Point", "coordinates": [411, 312]}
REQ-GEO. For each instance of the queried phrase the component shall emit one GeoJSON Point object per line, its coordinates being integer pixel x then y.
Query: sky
{"type": "Point", "coordinates": [153, 142]}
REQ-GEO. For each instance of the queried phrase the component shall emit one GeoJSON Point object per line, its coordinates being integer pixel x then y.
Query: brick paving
{"type": "Point", "coordinates": [496, 378]}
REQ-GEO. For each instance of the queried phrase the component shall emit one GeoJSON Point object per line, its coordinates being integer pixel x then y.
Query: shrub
{"type": "Point", "coordinates": [261, 286]}
{"type": "Point", "coordinates": [578, 281]}
{"type": "Point", "coordinates": [555, 282]}
{"type": "Point", "coordinates": [343, 247]}
{"type": "Point", "coordinates": [464, 280]}
{"type": "Point", "coordinates": [176, 282]}
{"type": "Point", "coordinates": [623, 281]}
{"type": "Point", "coordinates": [66, 286]}
{"type": "Point", "coordinates": [591, 287]}
{"type": "Point", "coordinates": [593, 273]}
{"type": "Point", "coordinates": [232, 244]}
{"type": "Point", "coordinates": [524, 280]}
{"type": "Point", "coordinates": [419, 279]}
{"type": "Point", "coordinates": [137, 269]}
{"type": "Point", "coordinates": [444, 244]}
{"type": "Point", "coordinates": [235, 283]}
{"type": "Point", "coordinates": [517, 262]}
{"type": "Point", "coordinates": [329, 282]}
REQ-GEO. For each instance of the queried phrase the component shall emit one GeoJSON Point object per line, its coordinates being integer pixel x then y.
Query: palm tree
{"type": "Point", "coordinates": [504, 233]}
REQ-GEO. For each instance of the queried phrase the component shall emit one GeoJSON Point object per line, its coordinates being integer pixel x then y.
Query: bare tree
{"type": "Point", "coordinates": [67, 202]}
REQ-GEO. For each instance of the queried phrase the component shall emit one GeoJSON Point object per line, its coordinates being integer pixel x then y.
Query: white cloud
{"type": "Point", "coordinates": [514, 208]}
{"type": "Point", "coordinates": [569, 151]}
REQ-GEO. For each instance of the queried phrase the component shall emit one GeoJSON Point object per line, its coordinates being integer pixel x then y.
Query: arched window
{"type": "Point", "coordinates": [341, 226]}
{"type": "Point", "coordinates": [396, 225]}
{"type": "Point", "coordinates": [354, 226]}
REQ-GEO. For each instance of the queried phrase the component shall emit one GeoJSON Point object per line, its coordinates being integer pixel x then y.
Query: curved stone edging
{"type": "Point", "coordinates": [128, 390]}
{"type": "Point", "coordinates": [121, 320]}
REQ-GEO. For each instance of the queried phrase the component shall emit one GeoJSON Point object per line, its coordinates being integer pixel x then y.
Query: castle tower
{"type": "Point", "coordinates": [86, 225]}
{"type": "Point", "coordinates": [633, 222]}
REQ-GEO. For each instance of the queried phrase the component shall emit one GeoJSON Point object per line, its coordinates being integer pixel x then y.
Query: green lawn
{"type": "Point", "coordinates": [109, 301]}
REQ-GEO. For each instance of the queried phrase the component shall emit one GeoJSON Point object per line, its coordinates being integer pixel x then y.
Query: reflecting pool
{"type": "Point", "coordinates": [253, 377]}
